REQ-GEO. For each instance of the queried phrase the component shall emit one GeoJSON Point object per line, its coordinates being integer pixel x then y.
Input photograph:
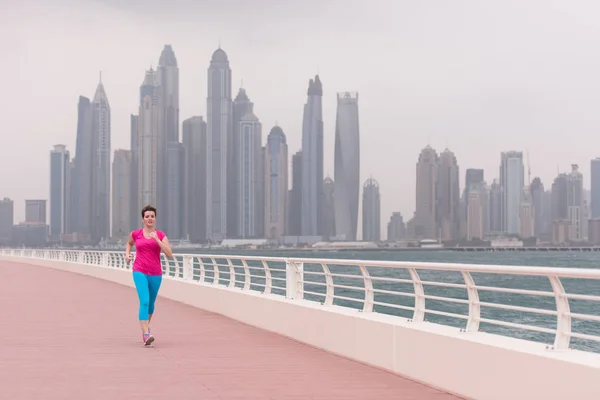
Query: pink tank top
{"type": "Point", "coordinates": [147, 253]}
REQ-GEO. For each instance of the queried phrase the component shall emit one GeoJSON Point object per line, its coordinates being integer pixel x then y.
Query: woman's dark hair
{"type": "Point", "coordinates": [148, 208]}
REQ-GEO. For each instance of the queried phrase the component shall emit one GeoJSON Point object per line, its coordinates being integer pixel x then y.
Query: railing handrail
{"type": "Point", "coordinates": [298, 284]}
{"type": "Point", "coordinates": [575, 273]}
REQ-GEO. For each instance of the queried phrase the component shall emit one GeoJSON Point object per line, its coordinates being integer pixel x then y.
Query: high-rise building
{"type": "Point", "coordinates": [595, 188]}
{"type": "Point", "coordinates": [174, 202]}
{"type": "Point", "coordinates": [559, 201]}
{"type": "Point", "coordinates": [473, 176]}
{"type": "Point", "coordinates": [72, 194]}
{"type": "Point", "coordinates": [135, 205]}
{"type": "Point", "coordinates": [575, 203]}
{"type": "Point", "coordinates": [241, 106]}
{"type": "Point", "coordinates": [541, 220]}
{"type": "Point", "coordinates": [219, 125]}
{"type": "Point", "coordinates": [396, 228]}
{"type": "Point", "coordinates": [250, 168]}
{"type": "Point", "coordinates": [83, 178]}
{"type": "Point", "coordinates": [327, 223]}
{"type": "Point", "coordinates": [475, 212]}
{"type": "Point", "coordinates": [347, 166]}
{"type": "Point", "coordinates": [448, 196]}
{"type": "Point", "coordinates": [495, 210]}
{"type": "Point", "coordinates": [35, 212]}
{"type": "Point", "coordinates": [194, 144]}
{"type": "Point", "coordinates": [295, 202]}
{"type": "Point", "coordinates": [276, 184]}
{"type": "Point", "coordinates": [526, 215]}
{"type": "Point", "coordinates": [312, 159]}
{"type": "Point", "coordinates": [60, 168]}
{"type": "Point", "coordinates": [512, 175]}
{"type": "Point", "coordinates": [121, 194]}
{"type": "Point", "coordinates": [7, 216]}
{"type": "Point", "coordinates": [101, 190]}
{"type": "Point", "coordinates": [148, 140]}
{"type": "Point", "coordinates": [426, 198]}
{"type": "Point", "coordinates": [169, 154]}
{"type": "Point", "coordinates": [167, 75]}
{"type": "Point", "coordinates": [371, 212]}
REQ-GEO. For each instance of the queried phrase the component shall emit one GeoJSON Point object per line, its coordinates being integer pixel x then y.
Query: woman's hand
{"type": "Point", "coordinates": [127, 258]}
{"type": "Point", "coordinates": [154, 236]}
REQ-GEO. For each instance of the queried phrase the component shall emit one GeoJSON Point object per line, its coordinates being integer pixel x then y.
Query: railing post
{"type": "Point", "coordinates": [188, 263]}
{"type": "Point", "coordinates": [563, 316]}
{"type": "Point", "coordinates": [216, 277]}
{"type": "Point", "coordinates": [329, 288]}
{"type": "Point", "coordinates": [294, 280]}
{"type": "Point", "coordinates": [268, 280]}
{"type": "Point", "coordinates": [232, 277]}
{"type": "Point", "coordinates": [202, 277]}
{"type": "Point", "coordinates": [369, 294]}
{"type": "Point", "coordinates": [247, 275]}
{"type": "Point", "coordinates": [419, 313]}
{"type": "Point", "coordinates": [474, 306]}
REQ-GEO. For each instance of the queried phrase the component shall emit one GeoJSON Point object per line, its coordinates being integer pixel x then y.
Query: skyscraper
{"type": "Point", "coordinates": [167, 75]}
{"type": "Point", "coordinates": [347, 166]}
{"type": "Point", "coordinates": [82, 181]}
{"type": "Point", "coordinates": [495, 207]}
{"type": "Point", "coordinates": [174, 203]}
{"type": "Point", "coordinates": [169, 193]}
{"type": "Point", "coordinates": [512, 175]}
{"type": "Point", "coordinates": [472, 176]}
{"type": "Point", "coordinates": [371, 212]}
{"type": "Point", "coordinates": [312, 159]}
{"type": "Point", "coordinates": [194, 197]}
{"type": "Point", "coordinates": [426, 198]}
{"type": "Point", "coordinates": [448, 196]}
{"type": "Point", "coordinates": [295, 201]}
{"type": "Point", "coordinates": [6, 220]}
{"type": "Point", "coordinates": [475, 212]}
{"type": "Point", "coordinates": [101, 138]}
{"type": "Point", "coordinates": [219, 131]}
{"type": "Point", "coordinates": [135, 205]}
{"type": "Point", "coordinates": [147, 143]}
{"type": "Point", "coordinates": [575, 203]}
{"type": "Point", "coordinates": [60, 166]}
{"type": "Point", "coordinates": [526, 215]}
{"type": "Point", "coordinates": [559, 198]}
{"type": "Point", "coordinates": [250, 167]}
{"type": "Point", "coordinates": [327, 223]}
{"type": "Point", "coordinates": [540, 213]}
{"type": "Point", "coordinates": [276, 184]}
{"type": "Point", "coordinates": [241, 106]}
{"type": "Point", "coordinates": [121, 194]}
{"type": "Point", "coordinates": [595, 187]}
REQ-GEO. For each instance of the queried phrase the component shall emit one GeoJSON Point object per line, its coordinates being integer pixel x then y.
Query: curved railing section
{"type": "Point", "coordinates": [556, 306]}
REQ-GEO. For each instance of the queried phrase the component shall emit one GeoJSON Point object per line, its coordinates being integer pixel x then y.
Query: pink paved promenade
{"type": "Point", "coordinates": [69, 336]}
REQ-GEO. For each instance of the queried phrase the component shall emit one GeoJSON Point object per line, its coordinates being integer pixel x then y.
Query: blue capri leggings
{"type": "Point", "coordinates": [147, 288]}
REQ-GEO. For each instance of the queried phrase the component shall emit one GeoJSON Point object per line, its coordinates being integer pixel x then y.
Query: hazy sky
{"type": "Point", "coordinates": [479, 77]}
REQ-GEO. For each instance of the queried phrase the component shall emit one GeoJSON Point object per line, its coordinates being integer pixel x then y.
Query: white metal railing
{"type": "Point", "coordinates": [486, 293]}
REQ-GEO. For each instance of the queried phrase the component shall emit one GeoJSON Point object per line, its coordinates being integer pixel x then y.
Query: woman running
{"type": "Point", "coordinates": [147, 269]}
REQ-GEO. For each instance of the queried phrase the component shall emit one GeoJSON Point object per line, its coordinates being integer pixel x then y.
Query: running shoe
{"type": "Point", "coordinates": [148, 339]}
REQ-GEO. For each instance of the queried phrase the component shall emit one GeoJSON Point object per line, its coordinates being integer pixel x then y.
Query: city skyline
{"type": "Point", "coordinates": [159, 90]}
{"type": "Point", "coordinates": [417, 110]}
